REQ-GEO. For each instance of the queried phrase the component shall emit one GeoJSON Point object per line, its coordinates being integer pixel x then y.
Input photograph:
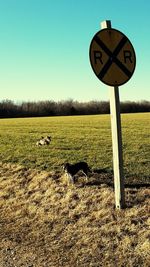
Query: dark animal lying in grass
{"type": "Point", "coordinates": [73, 169]}
{"type": "Point", "coordinates": [44, 141]}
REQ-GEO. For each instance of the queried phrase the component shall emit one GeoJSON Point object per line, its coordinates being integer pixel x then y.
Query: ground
{"type": "Point", "coordinates": [44, 222]}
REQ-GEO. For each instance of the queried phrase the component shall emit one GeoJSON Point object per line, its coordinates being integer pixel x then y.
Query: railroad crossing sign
{"type": "Point", "coordinates": [112, 57]}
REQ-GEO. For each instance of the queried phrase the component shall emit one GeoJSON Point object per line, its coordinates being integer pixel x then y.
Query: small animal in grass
{"type": "Point", "coordinates": [73, 169]}
{"type": "Point", "coordinates": [44, 141]}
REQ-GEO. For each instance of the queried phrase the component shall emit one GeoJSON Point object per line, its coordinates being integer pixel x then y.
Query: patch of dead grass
{"type": "Point", "coordinates": [44, 222]}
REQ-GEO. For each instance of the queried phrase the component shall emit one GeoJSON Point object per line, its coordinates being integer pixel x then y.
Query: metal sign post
{"type": "Point", "coordinates": [112, 58]}
{"type": "Point", "coordinates": [116, 140]}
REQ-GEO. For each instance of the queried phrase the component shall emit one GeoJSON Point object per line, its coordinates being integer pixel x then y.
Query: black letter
{"type": "Point", "coordinates": [127, 54]}
{"type": "Point", "coordinates": [98, 55]}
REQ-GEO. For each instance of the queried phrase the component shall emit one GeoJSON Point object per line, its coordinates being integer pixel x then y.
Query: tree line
{"type": "Point", "coordinates": [9, 109]}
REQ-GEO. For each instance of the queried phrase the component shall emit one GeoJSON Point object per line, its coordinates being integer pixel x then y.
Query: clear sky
{"type": "Point", "coordinates": [44, 48]}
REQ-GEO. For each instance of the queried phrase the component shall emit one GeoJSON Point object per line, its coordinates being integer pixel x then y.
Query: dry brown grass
{"type": "Point", "coordinates": [43, 222]}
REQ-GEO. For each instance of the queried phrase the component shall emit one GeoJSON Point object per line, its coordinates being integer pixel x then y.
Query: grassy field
{"type": "Point", "coordinates": [46, 223]}
{"type": "Point", "coordinates": [76, 138]}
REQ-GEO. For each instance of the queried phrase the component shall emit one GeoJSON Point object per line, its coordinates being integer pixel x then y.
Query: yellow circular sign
{"type": "Point", "coordinates": [112, 57]}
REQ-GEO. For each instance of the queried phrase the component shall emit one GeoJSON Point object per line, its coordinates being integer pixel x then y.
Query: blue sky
{"type": "Point", "coordinates": [44, 48]}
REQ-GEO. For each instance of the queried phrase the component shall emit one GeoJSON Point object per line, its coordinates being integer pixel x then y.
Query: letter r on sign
{"type": "Point", "coordinates": [127, 55]}
{"type": "Point", "coordinates": [98, 56]}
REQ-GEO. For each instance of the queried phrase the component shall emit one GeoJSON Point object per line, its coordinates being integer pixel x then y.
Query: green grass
{"type": "Point", "coordinates": [76, 138]}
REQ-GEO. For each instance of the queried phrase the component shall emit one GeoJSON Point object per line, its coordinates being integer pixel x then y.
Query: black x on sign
{"type": "Point", "coordinates": [112, 57]}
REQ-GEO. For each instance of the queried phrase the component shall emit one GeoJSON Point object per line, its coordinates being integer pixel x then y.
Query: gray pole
{"type": "Point", "coordinates": [116, 140]}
